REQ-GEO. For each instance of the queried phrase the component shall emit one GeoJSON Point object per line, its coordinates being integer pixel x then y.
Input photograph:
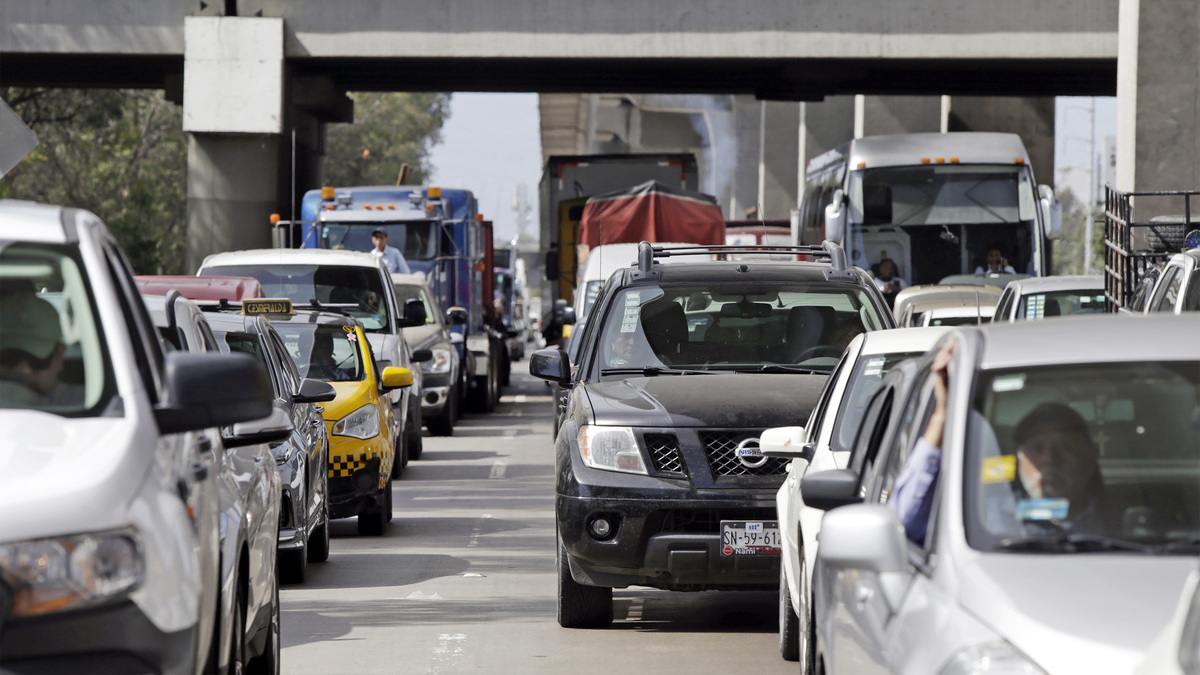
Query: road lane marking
{"type": "Point", "coordinates": [498, 470]}
{"type": "Point", "coordinates": [448, 651]}
{"type": "Point", "coordinates": [473, 540]}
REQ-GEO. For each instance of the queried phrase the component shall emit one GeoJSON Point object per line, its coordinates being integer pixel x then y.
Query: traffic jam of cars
{"type": "Point", "coordinates": [939, 464]}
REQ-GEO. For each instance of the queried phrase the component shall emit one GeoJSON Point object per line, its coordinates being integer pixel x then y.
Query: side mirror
{"type": "Point", "coordinates": [273, 428]}
{"type": "Point", "coordinates": [414, 314]}
{"type": "Point", "coordinates": [421, 356]}
{"type": "Point", "coordinates": [835, 218]}
{"type": "Point", "coordinates": [456, 316]}
{"type": "Point", "coordinates": [552, 265]}
{"type": "Point", "coordinates": [786, 443]}
{"type": "Point", "coordinates": [827, 490]}
{"type": "Point", "coordinates": [1051, 211]}
{"type": "Point", "coordinates": [568, 316]}
{"type": "Point", "coordinates": [550, 364]}
{"type": "Point", "coordinates": [867, 537]}
{"type": "Point", "coordinates": [396, 378]}
{"type": "Point", "coordinates": [212, 390]}
{"type": "Point", "coordinates": [314, 391]}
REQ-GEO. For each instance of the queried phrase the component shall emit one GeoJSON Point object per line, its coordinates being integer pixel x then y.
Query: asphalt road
{"type": "Point", "coordinates": [464, 580]}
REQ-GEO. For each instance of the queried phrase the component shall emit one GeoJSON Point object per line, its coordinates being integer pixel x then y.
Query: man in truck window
{"type": "Point", "coordinates": [392, 258]}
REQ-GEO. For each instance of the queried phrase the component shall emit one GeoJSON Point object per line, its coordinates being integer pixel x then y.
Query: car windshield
{"type": "Point", "coordinates": [863, 383]}
{"type": "Point", "coordinates": [743, 325]}
{"type": "Point", "coordinates": [417, 240]}
{"type": "Point", "coordinates": [356, 290]}
{"type": "Point", "coordinates": [404, 293]}
{"type": "Point", "coordinates": [1060, 303]}
{"type": "Point", "coordinates": [956, 320]}
{"type": "Point", "coordinates": [328, 352]}
{"type": "Point", "coordinates": [1059, 458]}
{"type": "Point", "coordinates": [52, 357]}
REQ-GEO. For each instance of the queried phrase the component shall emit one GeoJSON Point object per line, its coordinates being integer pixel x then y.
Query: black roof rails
{"type": "Point", "coordinates": [828, 250]}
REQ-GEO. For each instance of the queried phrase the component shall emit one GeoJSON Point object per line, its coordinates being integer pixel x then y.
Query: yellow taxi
{"type": "Point", "coordinates": [362, 428]}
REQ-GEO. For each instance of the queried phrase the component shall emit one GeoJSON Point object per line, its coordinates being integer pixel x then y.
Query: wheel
{"type": "Point", "coordinates": [374, 522]}
{"type": "Point", "coordinates": [237, 640]}
{"type": "Point", "coordinates": [443, 423]}
{"type": "Point", "coordinates": [414, 442]}
{"type": "Point", "coordinates": [267, 662]}
{"type": "Point", "coordinates": [480, 396]}
{"type": "Point", "coordinates": [293, 564]}
{"type": "Point", "coordinates": [399, 458]}
{"type": "Point", "coordinates": [789, 623]}
{"type": "Point", "coordinates": [581, 606]}
{"type": "Point", "coordinates": [318, 543]}
{"type": "Point", "coordinates": [388, 501]}
{"type": "Point", "coordinates": [505, 368]}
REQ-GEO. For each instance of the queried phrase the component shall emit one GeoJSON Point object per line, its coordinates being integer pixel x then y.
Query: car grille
{"type": "Point", "coordinates": [721, 446]}
{"type": "Point", "coordinates": [703, 521]}
{"type": "Point", "coordinates": [664, 453]}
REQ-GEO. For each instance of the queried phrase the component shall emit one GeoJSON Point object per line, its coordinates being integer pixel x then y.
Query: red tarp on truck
{"type": "Point", "coordinates": [651, 212]}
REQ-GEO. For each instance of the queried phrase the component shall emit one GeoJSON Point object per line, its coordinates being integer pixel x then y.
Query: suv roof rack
{"type": "Point", "coordinates": [827, 250]}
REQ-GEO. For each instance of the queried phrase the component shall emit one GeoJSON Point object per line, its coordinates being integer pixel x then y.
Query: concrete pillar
{"type": "Point", "coordinates": [781, 162]}
{"type": "Point", "coordinates": [1158, 96]}
{"type": "Point", "coordinates": [882, 115]}
{"type": "Point", "coordinates": [826, 125]}
{"type": "Point", "coordinates": [1030, 118]}
{"type": "Point", "coordinates": [233, 186]}
{"type": "Point", "coordinates": [747, 114]}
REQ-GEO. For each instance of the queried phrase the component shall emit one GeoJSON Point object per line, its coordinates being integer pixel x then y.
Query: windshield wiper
{"type": "Point", "coordinates": [651, 371]}
{"type": "Point", "coordinates": [1187, 545]}
{"type": "Point", "coordinates": [783, 368]}
{"type": "Point", "coordinates": [1073, 543]}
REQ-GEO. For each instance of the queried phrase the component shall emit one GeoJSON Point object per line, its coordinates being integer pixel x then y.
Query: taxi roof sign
{"type": "Point", "coordinates": [267, 306]}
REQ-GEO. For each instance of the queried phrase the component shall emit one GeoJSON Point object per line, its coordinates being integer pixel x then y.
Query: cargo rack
{"type": "Point", "coordinates": [1135, 249]}
{"type": "Point", "coordinates": [828, 251]}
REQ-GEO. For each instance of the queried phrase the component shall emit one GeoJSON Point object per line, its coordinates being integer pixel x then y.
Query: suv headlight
{"type": "Point", "coordinates": [362, 423]}
{"type": "Point", "coordinates": [440, 363]}
{"type": "Point", "coordinates": [992, 658]}
{"type": "Point", "coordinates": [64, 573]}
{"type": "Point", "coordinates": [610, 448]}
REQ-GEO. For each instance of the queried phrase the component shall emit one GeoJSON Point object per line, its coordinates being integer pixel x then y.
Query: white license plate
{"type": "Point", "coordinates": [749, 537]}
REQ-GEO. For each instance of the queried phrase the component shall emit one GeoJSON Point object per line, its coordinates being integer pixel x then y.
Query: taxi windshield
{"type": "Point", "coordinates": [732, 326]}
{"type": "Point", "coordinates": [862, 385]}
{"type": "Point", "coordinates": [1061, 457]}
{"type": "Point", "coordinates": [329, 352]}
{"type": "Point", "coordinates": [52, 356]}
{"type": "Point", "coordinates": [358, 291]}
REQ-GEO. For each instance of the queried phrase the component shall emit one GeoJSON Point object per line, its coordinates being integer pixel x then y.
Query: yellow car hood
{"type": "Point", "coordinates": [350, 397]}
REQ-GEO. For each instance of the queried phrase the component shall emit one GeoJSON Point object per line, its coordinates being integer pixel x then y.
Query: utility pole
{"type": "Point", "coordinates": [1092, 192]}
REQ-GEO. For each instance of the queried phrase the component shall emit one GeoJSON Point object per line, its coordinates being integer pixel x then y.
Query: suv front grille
{"type": "Point", "coordinates": [721, 447]}
{"type": "Point", "coordinates": [664, 453]}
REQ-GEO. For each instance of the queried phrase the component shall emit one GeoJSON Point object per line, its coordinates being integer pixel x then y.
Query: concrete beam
{"type": "Point", "coordinates": [1030, 118]}
{"type": "Point", "coordinates": [898, 114]}
{"type": "Point", "coordinates": [233, 76]}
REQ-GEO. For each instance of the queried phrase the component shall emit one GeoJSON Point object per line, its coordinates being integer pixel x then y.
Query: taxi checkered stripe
{"type": "Point", "coordinates": [344, 466]}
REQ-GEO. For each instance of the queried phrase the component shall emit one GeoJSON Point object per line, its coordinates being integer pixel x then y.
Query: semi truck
{"type": "Point", "coordinates": [442, 235]}
{"type": "Point", "coordinates": [568, 181]}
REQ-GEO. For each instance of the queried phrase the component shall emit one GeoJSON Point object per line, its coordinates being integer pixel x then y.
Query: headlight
{"type": "Point", "coordinates": [610, 448]}
{"type": "Point", "coordinates": [53, 575]}
{"type": "Point", "coordinates": [362, 423]}
{"type": "Point", "coordinates": [993, 658]}
{"type": "Point", "coordinates": [1189, 642]}
{"type": "Point", "coordinates": [440, 363]}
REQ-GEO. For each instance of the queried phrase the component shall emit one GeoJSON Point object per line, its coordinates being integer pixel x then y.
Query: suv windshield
{"type": "Point", "coordinates": [1061, 303]}
{"type": "Point", "coordinates": [1060, 458]}
{"type": "Point", "coordinates": [417, 240]}
{"type": "Point", "coordinates": [862, 385]}
{"type": "Point", "coordinates": [325, 351]}
{"type": "Point", "coordinates": [52, 357]}
{"type": "Point", "coordinates": [358, 291]}
{"type": "Point", "coordinates": [733, 326]}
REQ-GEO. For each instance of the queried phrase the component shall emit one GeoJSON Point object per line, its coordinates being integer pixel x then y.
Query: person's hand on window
{"type": "Point", "coordinates": [936, 427]}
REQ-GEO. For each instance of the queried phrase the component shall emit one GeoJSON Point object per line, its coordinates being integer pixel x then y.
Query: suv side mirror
{"type": "Point", "coordinates": [550, 364]}
{"type": "Point", "coordinates": [414, 314]}
{"type": "Point", "coordinates": [786, 443]}
{"type": "Point", "coordinates": [456, 316]}
{"type": "Point", "coordinates": [1051, 211]}
{"type": "Point", "coordinates": [835, 218]}
{"type": "Point", "coordinates": [212, 390]}
{"type": "Point", "coordinates": [827, 490]}
{"type": "Point", "coordinates": [314, 391]}
{"type": "Point", "coordinates": [867, 537]}
{"type": "Point", "coordinates": [273, 428]}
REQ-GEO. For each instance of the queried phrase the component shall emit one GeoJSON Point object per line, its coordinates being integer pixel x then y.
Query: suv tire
{"type": "Point", "coordinates": [581, 606]}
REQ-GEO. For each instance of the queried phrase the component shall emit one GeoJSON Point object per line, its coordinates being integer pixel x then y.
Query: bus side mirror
{"type": "Point", "coordinates": [1051, 211]}
{"type": "Point", "coordinates": [835, 218]}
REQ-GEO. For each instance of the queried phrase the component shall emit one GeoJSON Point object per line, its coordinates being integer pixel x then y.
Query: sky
{"type": "Point", "coordinates": [1072, 135]}
{"type": "Point", "coordinates": [491, 145]}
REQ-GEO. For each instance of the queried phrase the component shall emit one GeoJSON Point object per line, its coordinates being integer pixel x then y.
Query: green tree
{"type": "Point", "coordinates": [1068, 250]}
{"type": "Point", "coordinates": [389, 130]}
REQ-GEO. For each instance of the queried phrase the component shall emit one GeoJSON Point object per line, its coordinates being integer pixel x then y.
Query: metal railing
{"type": "Point", "coordinates": [1135, 248]}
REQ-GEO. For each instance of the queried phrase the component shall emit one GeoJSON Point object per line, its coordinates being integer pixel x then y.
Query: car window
{"type": "Point", "coordinates": [357, 289]}
{"type": "Point", "coordinates": [286, 367]}
{"type": "Point", "coordinates": [863, 383]}
{"type": "Point", "coordinates": [909, 426]}
{"type": "Point", "coordinates": [817, 418]}
{"type": "Point", "coordinates": [1003, 307]}
{"type": "Point", "coordinates": [1061, 303]}
{"type": "Point", "coordinates": [1168, 293]}
{"type": "Point", "coordinates": [248, 343]}
{"type": "Point", "coordinates": [866, 444]}
{"type": "Point", "coordinates": [1191, 299]}
{"type": "Point", "coordinates": [143, 338]}
{"type": "Point", "coordinates": [329, 352]}
{"type": "Point", "coordinates": [406, 292]}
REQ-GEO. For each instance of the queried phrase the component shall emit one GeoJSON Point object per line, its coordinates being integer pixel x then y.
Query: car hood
{"type": "Point", "coordinates": [1078, 613]}
{"type": "Point", "coordinates": [731, 401]}
{"type": "Point", "coordinates": [423, 337]}
{"type": "Point", "coordinates": [62, 475]}
{"type": "Point", "coordinates": [350, 397]}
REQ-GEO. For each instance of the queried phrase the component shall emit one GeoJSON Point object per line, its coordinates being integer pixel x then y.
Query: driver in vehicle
{"type": "Point", "coordinates": [31, 351]}
{"type": "Point", "coordinates": [1057, 467]}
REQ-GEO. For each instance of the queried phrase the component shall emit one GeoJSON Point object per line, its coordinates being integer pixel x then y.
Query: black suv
{"type": "Point", "coordinates": [659, 479]}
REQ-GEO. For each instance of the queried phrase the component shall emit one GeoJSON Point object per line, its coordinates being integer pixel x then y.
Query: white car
{"type": "Point", "coordinates": [825, 443]}
{"type": "Point", "coordinates": [109, 542]}
{"type": "Point", "coordinates": [1066, 514]}
{"type": "Point", "coordinates": [957, 316]}
{"type": "Point", "coordinates": [1177, 289]}
{"type": "Point", "coordinates": [357, 284]}
{"type": "Point", "coordinates": [1033, 298]}
{"type": "Point", "coordinates": [912, 303]}
{"type": "Point", "coordinates": [1177, 649]}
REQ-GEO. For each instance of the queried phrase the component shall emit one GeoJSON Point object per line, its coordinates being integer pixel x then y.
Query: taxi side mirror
{"type": "Point", "coordinates": [394, 377]}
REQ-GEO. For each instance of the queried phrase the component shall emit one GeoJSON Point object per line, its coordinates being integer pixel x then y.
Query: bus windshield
{"type": "Point", "coordinates": [417, 240]}
{"type": "Point", "coordinates": [939, 220]}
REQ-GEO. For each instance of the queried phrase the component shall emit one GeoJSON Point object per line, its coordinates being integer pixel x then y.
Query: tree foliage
{"type": "Point", "coordinates": [1068, 251]}
{"type": "Point", "coordinates": [388, 131]}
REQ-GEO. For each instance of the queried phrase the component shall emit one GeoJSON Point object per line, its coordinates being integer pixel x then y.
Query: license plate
{"type": "Point", "coordinates": [749, 537]}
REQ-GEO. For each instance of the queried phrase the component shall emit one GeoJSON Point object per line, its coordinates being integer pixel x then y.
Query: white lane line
{"type": "Point", "coordinates": [498, 470]}
{"type": "Point", "coordinates": [473, 540]}
{"type": "Point", "coordinates": [449, 649]}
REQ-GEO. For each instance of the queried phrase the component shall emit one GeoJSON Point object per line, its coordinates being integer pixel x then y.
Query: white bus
{"type": "Point", "coordinates": [935, 204]}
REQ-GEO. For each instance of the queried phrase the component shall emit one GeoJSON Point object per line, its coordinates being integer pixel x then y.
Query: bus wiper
{"type": "Point", "coordinates": [1073, 543]}
{"type": "Point", "coordinates": [651, 371]}
{"type": "Point", "coordinates": [783, 368]}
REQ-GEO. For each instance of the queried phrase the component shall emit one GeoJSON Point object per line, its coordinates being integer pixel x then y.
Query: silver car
{"type": "Point", "coordinates": [1033, 298]}
{"type": "Point", "coordinates": [1066, 514]}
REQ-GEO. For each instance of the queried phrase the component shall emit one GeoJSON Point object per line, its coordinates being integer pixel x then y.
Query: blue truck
{"type": "Point", "coordinates": [442, 236]}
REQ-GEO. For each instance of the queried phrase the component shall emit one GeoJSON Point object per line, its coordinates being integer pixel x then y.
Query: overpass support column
{"type": "Point", "coordinates": [1158, 96]}
{"type": "Point", "coordinates": [767, 137]}
{"type": "Point", "coordinates": [1030, 118]}
{"type": "Point", "coordinates": [880, 115]}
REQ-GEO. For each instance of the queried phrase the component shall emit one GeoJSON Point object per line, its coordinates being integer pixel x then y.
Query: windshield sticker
{"type": "Point", "coordinates": [348, 329]}
{"type": "Point", "coordinates": [1009, 383]}
{"type": "Point", "coordinates": [874, 367]}
{"type": "Point", "coordinates": [629, 320]}
{"type": "Point", "coordinates": [351, 337]}
{"type": "Point", "coordinates": [1001, 469]}
{"type": "Point", "coordinates": [1042, 509]}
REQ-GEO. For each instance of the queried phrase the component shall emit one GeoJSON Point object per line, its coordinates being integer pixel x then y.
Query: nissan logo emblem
{"type": "Point", "coordinates": [748, 454]}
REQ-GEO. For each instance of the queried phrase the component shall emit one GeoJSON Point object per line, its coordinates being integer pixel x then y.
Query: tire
{"type": "Point", "coordinates": [480, 397]}
{"type": "Point", "coordinates": [399, 458]}
{"type": "Point", "coordinates": [414, 441]}
{"type": "Point", "coordinates": [387, 499]}
{"type": "Point", "coordinates": [318, 543]}
{"type": "Point", "coordinates": [373, 523]}
{"type": "Point", "coordinates": [789, 623]}
{"type": "Point", "coordinates": [267, 663]}
{"type": "Point", "coordinates": [505, 367]}
{"type": "Point", "coordinates": [443, 423]}
{"type": "Point", "coordinates": [293, 565]}
{"type": "Point", "coordinates": [581, 606]}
